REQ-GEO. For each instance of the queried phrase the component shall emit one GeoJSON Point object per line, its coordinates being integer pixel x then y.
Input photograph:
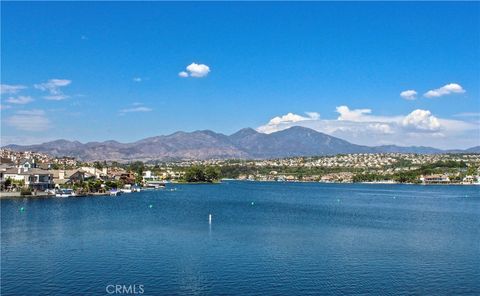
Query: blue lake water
{"type": "Point", "coordinates": [295, 238]}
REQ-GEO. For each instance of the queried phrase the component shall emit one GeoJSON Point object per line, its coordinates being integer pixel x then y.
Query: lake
{"type": "Point", "coordinates": [265, 238]}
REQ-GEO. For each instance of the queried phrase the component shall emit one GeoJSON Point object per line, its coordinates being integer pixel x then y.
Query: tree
{"type": "Point", "coordinates": [194, 174]}
{"type": "Point", "coordinates": [93, 185]}
{"type": "Point", "coordinates": [471, 170]}
{"type": "Point", "coordinates": [8, 182]}
{"type": "Point", "coordinates": [137, 167]}
{"type": "Point", "coordinates": [54, 166]}
{"type": "Point", "coordinates": [112, 185]}
{"type": "Point", "coordinates": [212, 174]}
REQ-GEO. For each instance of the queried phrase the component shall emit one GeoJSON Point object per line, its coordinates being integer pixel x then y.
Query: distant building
{"type": "Point", "coordinates": [471, 179]}
{"type": "Point", "coordinates": [27, 164]}
{"type": "Point", "coordinates": [149, 176]}
{"type": "Point", "coordinates": [435, 179]}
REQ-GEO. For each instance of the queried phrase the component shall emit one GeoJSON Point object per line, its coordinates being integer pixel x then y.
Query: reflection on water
{"type": "Point", "coordinates": [265, 238]}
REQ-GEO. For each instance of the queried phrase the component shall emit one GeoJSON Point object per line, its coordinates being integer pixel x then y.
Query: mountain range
{"type": "Point", "coordinates": [205, 144]}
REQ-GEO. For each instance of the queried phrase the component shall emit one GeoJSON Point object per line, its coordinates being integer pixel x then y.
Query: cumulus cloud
{"type": "Point", "coordinates": [29, 120]}
{"type": "Point", "coordinates": [288, 118]}
{"type": "Point", "coordinates": [20, 100]}
{"type": "Point", "coordinates": [380, 127]}
{"type": "Point", "coordinates": [53, 87]}
{"type": "Point", "coordinates": [352, 115]}
{"type": "Point", "coordinates": [360, 126]}
{"type": "Point", "coordinates": [409, 94]}
{"type": "Point", "coordinates": [183, 74]}
{"type": "Point", "coordinates": [313, 115]}
{"type": "Point", "coordinates": [11, 89]}
{"type": "Point", "coordinates": [195, 70]}
{"type": "Point", "coordinates": [452, 88]}
{"type": "Point", "coordinates": [421, 120]}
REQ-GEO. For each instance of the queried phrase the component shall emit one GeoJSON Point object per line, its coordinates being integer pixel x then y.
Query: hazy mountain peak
{"type": "Point", "coordinates": [298, 129]}
{"type": "Point", "coordinates": [205, 144]}
{"type": "Point", "coordinates": [244, 132]}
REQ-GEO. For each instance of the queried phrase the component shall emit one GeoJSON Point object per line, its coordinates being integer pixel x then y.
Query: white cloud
{"type": "Point", "coordinates": [53, 87]}
{"type": "Point", "coordinates": [467, 114]}
{"type": "Point", "coordinates": [421, 120]}
{"type": "Point", "coordinates": [4, 107]}
{"type": "Point", "coordinates": [352, 115]}
{"type": "Point", "coordinates": [360, 126]}
{"type": "Point", "coordinates": [183, 74]}
{"type": "Point", "coordinates": [137, 79]}
{"type": "Point", "coordinates": [21, 100]}
{"type": "Point", "coordinates": [26, 139]}
{"type": "Point", "coordinates": [29, 120]}
{"type": "Point", "coordinates": [288, 118]}
{"type": "Point", "coordinates": [381, 128]}
{"type": "Point", "coordinates": [136, 107]}
{"type": "Point", "coordinates": [313, 115]}
{"type": "Point", "coordinates": [11, 89]}
{"type": "Point", "coordinates": [409, 94]}
{"type": "Point", "coordinates": [445, 90]}
{"type": "Point", "coordinates": [56, 97]}
{"type": "Point", "coordinates": [195, 70]}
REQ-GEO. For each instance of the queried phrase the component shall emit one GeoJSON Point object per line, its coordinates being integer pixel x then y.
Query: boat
{"type": "Point", "coordinates": [136, 188]}
{"type": "Point", "coordinates": [127, 189]}
{"type": "Point", "coordinates": [149, 185]}
{"type": "Point", "coordinates": [65, 193]}
{"type": "Point", "coordinates": [115, 193]}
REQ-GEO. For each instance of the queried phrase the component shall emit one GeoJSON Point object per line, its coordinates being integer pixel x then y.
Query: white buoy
{"type": "Point", "coordinates": [209, 218]}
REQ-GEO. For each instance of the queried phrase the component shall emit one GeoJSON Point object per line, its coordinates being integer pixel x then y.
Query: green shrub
{"type": "Point", "coordinates": [25, 191]}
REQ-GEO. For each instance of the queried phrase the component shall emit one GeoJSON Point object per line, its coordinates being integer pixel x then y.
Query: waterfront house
{"type": "Point", "coordinates": [125, 178]}
{"type": "Point", "coordinates": [327, 179]}
{"type": "Point", "coordinates": [435, 179]}
{"type": "Point", "coordinates": [149, 176]}
{"type": "Point", "coordinates": [290, 178]}
{"type": "Point", "coordinates": [471, 179]}
{"type": "Point", "coordinates": [33, 178]}
{"type": "Point", "coordinates": [3, 169]}
{"type": "Point", "coordinates": [98, 173]}
{"type": "Point", "coordinates": [63, 177]}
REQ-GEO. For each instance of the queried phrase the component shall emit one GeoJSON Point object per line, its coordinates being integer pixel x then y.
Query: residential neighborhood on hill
{"type": "Point", "coordinates": [32, 172]}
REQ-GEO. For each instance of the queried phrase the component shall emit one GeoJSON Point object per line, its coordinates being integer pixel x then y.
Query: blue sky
{"type": "Point", "coordinates": [99, 70]}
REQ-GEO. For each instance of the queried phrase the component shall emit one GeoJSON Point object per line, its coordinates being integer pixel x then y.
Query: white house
{"type": "Point", "coordinates": [33, 178]}
{"type": "Point", "coordinates": [149, 176]}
